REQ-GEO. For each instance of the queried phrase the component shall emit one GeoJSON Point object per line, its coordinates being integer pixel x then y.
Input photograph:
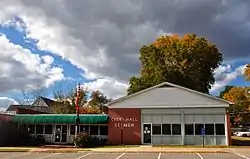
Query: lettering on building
{"type": "Point", "coordinates": [120, 122]}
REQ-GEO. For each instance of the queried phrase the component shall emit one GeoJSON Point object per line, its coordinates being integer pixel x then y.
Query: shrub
{"type": "Point", "coordinates": [84, 140]}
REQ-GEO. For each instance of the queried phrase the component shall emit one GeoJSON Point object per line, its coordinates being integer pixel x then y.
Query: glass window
{"type": "Point", "coordinates": [39, 129]}
{"type": "Point", "coordinates": [209, 128]}
{"type": "Point", "coordinates": [166, 129]}
{"type": "Point", "coordinates": [72, 129]}
{"type": "Point", "coordinates": [48, 129]}
{"type": "Point", "coordinates": [220, 129]}
{"type": "Point", "coordinates": [189, 129]}
{"type": "Point", "coordinates": [103, 130]}
{"type": "Point", "coordinates": [176, 129]}
{"type": "Point", "coordinates": [156, 129]}
{"type": "Point", "coordinates": [93, 130]}
{"type": "Point", "coordinates": [198, 128]}
{"type": "Point", "coordinates": [31, 129]}
{"type": "Point", "coordinates": [84, 128]}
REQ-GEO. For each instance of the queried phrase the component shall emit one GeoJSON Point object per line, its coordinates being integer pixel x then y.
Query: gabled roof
{"type": "Point", "coordinates": [47, 101]}
{"type": "Point", "coordinates": [172, 85]}
{"type": "Point", "coordinates": [41, 109]}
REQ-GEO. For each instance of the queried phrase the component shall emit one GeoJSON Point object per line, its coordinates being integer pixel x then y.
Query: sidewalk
{"type": "Point", "coordinates": [122, 149]}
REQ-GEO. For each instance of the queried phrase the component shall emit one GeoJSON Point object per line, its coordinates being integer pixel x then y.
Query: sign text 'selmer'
{"type": "Point", "coordinates": [128, 122]}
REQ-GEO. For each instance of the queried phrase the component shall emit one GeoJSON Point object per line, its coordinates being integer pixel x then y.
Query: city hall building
{"type": "Point", "coordinates": [165, 114]}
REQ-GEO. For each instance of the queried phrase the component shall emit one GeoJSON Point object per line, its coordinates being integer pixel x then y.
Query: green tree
{"type": "Point", "coordinates": [188, 61]}
{"type": "Point", "coordinates": [226, 90]}
{"type": "Point", "coordinates": [65, 101]}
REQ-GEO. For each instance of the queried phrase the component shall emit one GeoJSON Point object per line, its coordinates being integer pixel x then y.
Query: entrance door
{"type": "Point", "coordinates": [61, 134]}
{"type": "Point", "coordinates": [147, 133]}
{"type": "Point", "coordinates": [64, 133]}
{"type": "Point", "coordinates": [58, 133]}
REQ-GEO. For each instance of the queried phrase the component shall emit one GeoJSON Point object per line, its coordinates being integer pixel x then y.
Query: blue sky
{"type": "Point", "coordinates": [57, 44]}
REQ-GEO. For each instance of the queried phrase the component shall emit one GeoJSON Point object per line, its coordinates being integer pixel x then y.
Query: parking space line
{"type": "Point", "coordinates": [23, 154]}
{"type": "Point", "coordinates": [159, 156]}
{"type": "Point", "coordinates": [240, 155]}
{"type": "Point", "coordinates": [50, 155]}
{"type": "Point", "coordinates": [120, 156]}
{"type": "Point", "coordinates": [199, 155]}
{"type": "Point", "coordinates": [84, 155]}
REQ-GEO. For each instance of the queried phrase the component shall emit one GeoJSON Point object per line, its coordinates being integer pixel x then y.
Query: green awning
{"type": "Point", "coordinates": [60, 119]}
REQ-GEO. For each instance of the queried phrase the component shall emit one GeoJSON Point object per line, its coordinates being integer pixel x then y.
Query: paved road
{"type": "Point", "coordinates": [89, 155]}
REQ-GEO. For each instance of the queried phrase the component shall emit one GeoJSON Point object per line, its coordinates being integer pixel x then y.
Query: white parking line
{"type": "Point", "coordinates": [50, 155]}
{"type": "Point", "coordinates": [200, 156]}
{"type": "Point", "coordinates": [120, 156]}
{"type": "Point", "coordinates": [22, 154]}
{"type": "Point", "coordinates": [159, 156]}
{"type": "Point", "coordinates": [240, 155]}
{"type": "Point", "coordinates": [84, 155]}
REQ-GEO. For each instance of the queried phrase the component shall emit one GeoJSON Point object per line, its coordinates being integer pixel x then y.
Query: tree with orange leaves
{"type": "Point", "coordinates": [239, 111]}
{"type": "Point", "coordinates": [247, 72]}
{"type": "Point", "coordinates": [188, 61]}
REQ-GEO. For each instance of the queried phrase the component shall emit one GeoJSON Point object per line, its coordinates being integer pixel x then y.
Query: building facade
{"type": "Point", "coordinates": [165, 114]}
{"type": "Point", "coordinates": [171, 115]}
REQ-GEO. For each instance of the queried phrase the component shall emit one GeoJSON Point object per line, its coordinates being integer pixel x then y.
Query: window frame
{"type": "Point", "coordinates": [207, 131]}
{"type": "Point", "coordinates": [158, 125]}
{"type": "Point", "coordinates": [106, 127]}
{"type": "Point", "coordinates": [193, 129]}
{"type": "Point", "coordinates": [51, 129]}
{"type": "Point", "coordinates": [42, 129]}
{"type": "Point", "coordinates": [179, 124]}
{"type": "Point", "coordinates": [98, 130]}
{"type": "Point", "coordinates": [170, 128]}
{"type": "Point", "coordinates": [198, 134]}
{"type": "Point", "coordinates": [224, 127]}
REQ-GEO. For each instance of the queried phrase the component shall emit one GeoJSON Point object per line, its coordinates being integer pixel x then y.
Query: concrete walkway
{"type": "Point", "coordinates": [120, 150]}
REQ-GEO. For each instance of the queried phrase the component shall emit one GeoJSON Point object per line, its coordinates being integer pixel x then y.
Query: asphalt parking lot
{"type": "Point", "coordinates": [89, 155]}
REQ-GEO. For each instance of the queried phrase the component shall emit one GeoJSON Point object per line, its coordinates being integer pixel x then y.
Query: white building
{"type": "Point", "coordinates": [171, 114]}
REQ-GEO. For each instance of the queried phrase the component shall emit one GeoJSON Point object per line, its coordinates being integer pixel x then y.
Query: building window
{"type": "Point", "coordinates": [48, 129]}
{"type": "Point", "coordinates": [176, 129]}
{"type": "Point", "coordinates": [84, 128]}
{"type": "Point", "coordinates": [166, 129]}
{"type": "Point", "coordinates": [198, 128]}
{"type": "Point", "coordinates": [103, 130]}
{"type": "Point", "coordinates": [220, 129]}
{"type": "Point", "coordinates": [94, 130]}
{"type": "Point", "coordinates": [156, 129]}
{"type": "Point", "coordinates": [209, 128]}
{"type": "Point", "coordinates": [72, 129]}
{"type": "Point", "coordinates": [189, 129]}
{"type": "Point", "coordinates": [39, 129]}
{"type": "Point", "coordinates": [31, 129]}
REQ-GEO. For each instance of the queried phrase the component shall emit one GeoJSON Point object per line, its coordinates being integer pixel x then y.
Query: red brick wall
{"type": "Point", "coordinates": [229, 130]}
{"type": "Point", "coordinates": [124, 126]}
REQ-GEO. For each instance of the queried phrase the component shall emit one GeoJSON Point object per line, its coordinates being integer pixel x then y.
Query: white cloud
{"type": "Point", "coordinates": [109, 87]}
{"type": "Point", "coordinates": [103, 38]}
{"type": "Point", "coordinates": [5, 102]}
{"type": "Point", "coordinates": [224, 75]}
{"type": "Point", "coordinates": [20, 69]}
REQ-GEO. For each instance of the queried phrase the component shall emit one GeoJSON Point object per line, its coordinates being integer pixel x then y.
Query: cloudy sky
{"type": "Point", "coordinates": [56, 43]}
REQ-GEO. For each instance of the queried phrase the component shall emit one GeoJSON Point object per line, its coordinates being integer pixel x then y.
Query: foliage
{"type": "Point", "coordinates": [66, 101]}
{"type": "Point", "coordinates": [90, 110]}
{"type": "Point", "coordinates": [84, 140]}
{"type": "Point", "coordinates": [239, 111]}
{"type": "Point", "coordinates": [98, 99]}
{"type": "Point", "coordinates": [247, 72]}
{"type": "Point", "coordinates": [226, 90]}
{"type": "Point", "coordinates": [188, 61]}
